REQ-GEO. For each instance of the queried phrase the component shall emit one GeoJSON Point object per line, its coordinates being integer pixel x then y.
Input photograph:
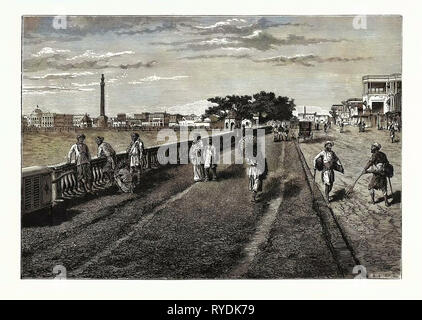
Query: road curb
{"type": "Point", "coordinates": [337, 241]}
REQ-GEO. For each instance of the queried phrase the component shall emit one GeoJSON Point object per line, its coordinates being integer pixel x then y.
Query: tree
{"type": "Point", "coordinates": [271, 107]}
{"type": "Point", "coordinates": [239, 104]}
{"type": "Point", "coordinates": [267, 105]}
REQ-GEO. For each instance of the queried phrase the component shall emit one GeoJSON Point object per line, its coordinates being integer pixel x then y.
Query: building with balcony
{"type": "Point", "coordinates": [382, 96]}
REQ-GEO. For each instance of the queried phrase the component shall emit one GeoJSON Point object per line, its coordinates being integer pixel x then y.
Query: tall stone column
{"type": "Point", "coordinates": [102, 119]}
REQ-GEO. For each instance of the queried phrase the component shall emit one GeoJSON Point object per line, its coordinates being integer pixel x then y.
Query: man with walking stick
{"type": "Point", "coordinates": [381, 169]}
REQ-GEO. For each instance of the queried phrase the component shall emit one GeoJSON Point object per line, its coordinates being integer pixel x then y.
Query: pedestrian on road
{"type": "Point", "coordinates": [135, 151]}
{"type": "Point", "coordinates": [257, 170]}
{"type": "Point", "coordinates": [325, 127]}
{"type": "Point", "coordinates": [82, 159]}
{"type": "Point", "coordinates": [196, 157]}
{"type": "Point", "coordinates": [327, 163]}
{"type": "Point", "coordinates": [105, 150]}
{"type": "Point", "coordinates": [210, 163]}
{"type": "Point", "coordinates": [392, 130]}
{"type": "Point", "coordinates": [379, 166]}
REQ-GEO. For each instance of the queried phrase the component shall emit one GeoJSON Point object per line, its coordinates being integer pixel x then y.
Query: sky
{"type": "Point", "coordinates": [175, 63]}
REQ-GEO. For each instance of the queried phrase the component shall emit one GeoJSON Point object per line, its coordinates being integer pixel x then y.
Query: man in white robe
{"type": "Point", "coordinates": [196, 158]}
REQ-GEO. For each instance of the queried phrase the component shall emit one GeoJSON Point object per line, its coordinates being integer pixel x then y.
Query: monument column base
{"type": "Point", "coordinates": [102, 122]}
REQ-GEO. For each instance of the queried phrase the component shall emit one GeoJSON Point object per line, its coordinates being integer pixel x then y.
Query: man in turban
{"type": "Point", "coordinates": [330, 162]}
{"type": "Point", "coordinates": [82, 160]}
{"type": "Point", "coordinates": [196, 155]}
{"type": "Point", "coordinates": [377, 165]}
{"type": "Point", "coordinates": [105, 150]}
{"type": "Point", "coordinates": [134, 151]}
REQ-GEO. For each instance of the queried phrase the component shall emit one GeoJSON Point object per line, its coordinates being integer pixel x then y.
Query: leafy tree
{"type": "Point", "coordinates": [271, 107]}
{"type": "Point", "coordinates": [267, 105]}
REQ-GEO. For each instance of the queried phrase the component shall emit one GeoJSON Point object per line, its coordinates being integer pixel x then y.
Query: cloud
{"type": "Point", "coordinates": [196, 107]}
{"type": "Point", "coordinates": [39, 29]}
{"type": "Point", "coordinates": [157, 78]}
{"type": "Point", "coordinates": [59, 59]}
{"type": "Point", "coordinates": [308, 60]}
{"type": "Point", "coordinates": [258, 39]}
{"type": "Point", "coordinates": [241, 26]}
{"type": "Point", "coordinates": [90, 54]}
{"type": "Point", "coordinates": [216, 56]}
{"type": "Point", "coordinates": [41, 90]}
{"type": "Point", "coordinates": [65, 75]}
{"type": "Point", "coordinates": [159, 28]}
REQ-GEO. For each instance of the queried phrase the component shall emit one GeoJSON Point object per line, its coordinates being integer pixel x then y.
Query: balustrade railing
{"type": "Point", "coordinates": [64, 176]}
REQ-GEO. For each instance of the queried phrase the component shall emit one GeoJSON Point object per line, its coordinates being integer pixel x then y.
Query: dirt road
{"type": "Point", "coordinates": [374, 231]}
{"type": "Point", "coordinates": [174, 229]}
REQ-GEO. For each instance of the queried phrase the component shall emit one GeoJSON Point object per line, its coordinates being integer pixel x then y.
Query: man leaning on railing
{"type": "Point", "coordinates": [82, 160]}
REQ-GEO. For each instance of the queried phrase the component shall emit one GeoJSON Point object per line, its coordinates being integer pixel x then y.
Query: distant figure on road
{"type": "Point", "coordinates": [134, 151]}
{"type": "Point", "coordinates": [196, 158]}
{"type": "Point", "coordinates": [327, 161]}
{"type": "Point", "coordinates": [82, 159]}
{"type": "Point", "coordinates": [325, 127]}
{"type": "Point", "coordinates": [379, 166]}
{"type": "Point", "coordinates": [392, 130]}
{"type": "Point", "coordinates": [341, 126]}
{"type": "Point", "coordinates": [256, 174]}
{"type": "Point", "coordinates": [210, 161]}
{"type": "Point", "coordinates": [105, 150]}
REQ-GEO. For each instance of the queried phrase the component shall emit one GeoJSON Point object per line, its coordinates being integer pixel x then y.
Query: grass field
{"type": "Point", "coordinates": [52, 147]}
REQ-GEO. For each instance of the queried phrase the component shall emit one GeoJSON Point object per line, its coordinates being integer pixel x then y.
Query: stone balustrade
{"type": "Point", "coordinates": [64, 175]}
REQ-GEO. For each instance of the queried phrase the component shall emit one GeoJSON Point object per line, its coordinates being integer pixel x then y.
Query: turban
{"type": "Point", "coordinates": [329, 142]}
{"type": "Point", "coordinates": [376, 145]}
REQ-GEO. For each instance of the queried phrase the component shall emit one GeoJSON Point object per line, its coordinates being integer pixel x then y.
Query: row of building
{"type": "Point", "coordinates": [41, 119]}
{"type": "Point", "coordinates": [379, 105]}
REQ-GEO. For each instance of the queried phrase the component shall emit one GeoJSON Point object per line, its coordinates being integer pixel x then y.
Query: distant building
{"type": "Point", "coordinates": [76, 120]}
{"type": "Point", "coordinates": [40, 119]}
{"type": "Point", "coordinates": [306, 116]}
{"type": "Point", "coordinates": [232, 121]}
{"type": "Point", "coordinates": [174, 120]}
{"type": "Point", "coordinates": [158, 119]}
{"type": "Point", "coordinates": [62, 120]}
{"type": "Point", "coordinates": [34, 119]}
{"type": "Point", "coordinates": [189, 120]}
{"type": "Point", "coordinates": [120, 121]}
{"type": "Point", "coordinates": [86, 121]}
{"type": "Point", "coordinates": [322, 118]}
{"type": "Point", "coordinates": [358, 111]}
{"type": "Point", "coordinates": [382, 95]}
{"type": "Point", "coordinates": [24, 121]}
{"type": "Point", "coordinates": [343, 113]}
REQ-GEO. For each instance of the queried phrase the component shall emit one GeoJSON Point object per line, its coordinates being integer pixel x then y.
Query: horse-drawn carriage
{"type": "Point", "coordinates": [305, 130]}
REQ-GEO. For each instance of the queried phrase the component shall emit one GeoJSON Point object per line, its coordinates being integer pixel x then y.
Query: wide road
{"type": "Point", "coordinates": [175, 229]}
